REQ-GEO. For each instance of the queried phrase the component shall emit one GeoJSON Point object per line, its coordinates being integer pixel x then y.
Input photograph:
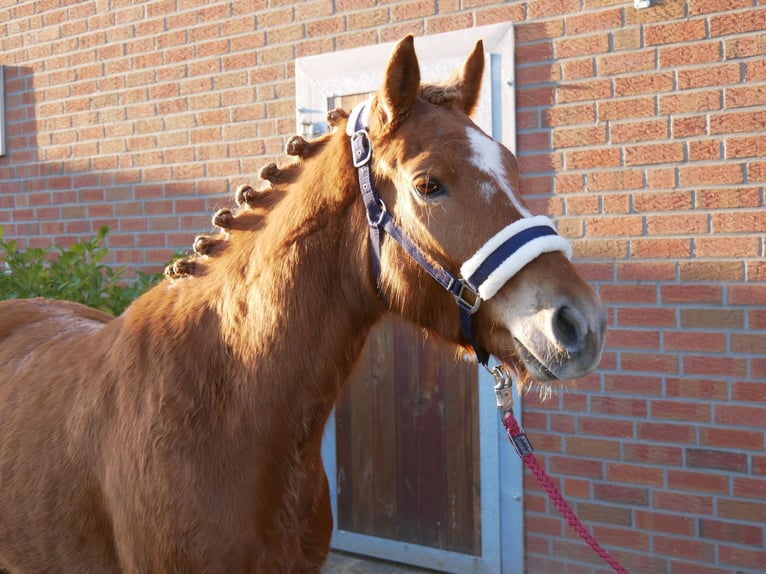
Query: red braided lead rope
{"type": "Point", "coordinates": [522, 446]}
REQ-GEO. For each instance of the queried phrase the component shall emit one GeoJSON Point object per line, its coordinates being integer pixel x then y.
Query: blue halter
{"type": "Point", "coordinates": [501, 257]}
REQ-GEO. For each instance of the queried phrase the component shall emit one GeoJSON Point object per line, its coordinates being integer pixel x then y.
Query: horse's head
{"type": "Point", "coordinates": [452, 189]}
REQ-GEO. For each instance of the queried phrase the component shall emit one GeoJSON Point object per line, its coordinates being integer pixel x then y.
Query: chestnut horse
{"type": "Point", "coordinates": [184, 435]}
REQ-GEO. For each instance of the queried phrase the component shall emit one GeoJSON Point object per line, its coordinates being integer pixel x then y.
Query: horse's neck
{"type": "Point", "coordinates": [283, 311]}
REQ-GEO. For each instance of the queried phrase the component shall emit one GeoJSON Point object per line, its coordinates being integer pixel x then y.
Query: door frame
{"type": "Point", "coordinates": [318, 79]}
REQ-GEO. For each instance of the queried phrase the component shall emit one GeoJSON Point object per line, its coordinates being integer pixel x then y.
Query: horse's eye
{"type": "Point", "coordinates": [427, 186]}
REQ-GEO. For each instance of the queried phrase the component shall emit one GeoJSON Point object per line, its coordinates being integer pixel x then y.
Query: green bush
{"type": "Point", "coordinates": [75, 274]}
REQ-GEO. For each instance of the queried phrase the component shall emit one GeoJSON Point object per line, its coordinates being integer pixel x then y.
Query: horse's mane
{"type": "Point", "coordinates": [254, 203]}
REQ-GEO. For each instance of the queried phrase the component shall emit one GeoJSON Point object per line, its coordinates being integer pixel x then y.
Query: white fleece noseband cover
{"type": "Point", "coordinates": [509, 250]}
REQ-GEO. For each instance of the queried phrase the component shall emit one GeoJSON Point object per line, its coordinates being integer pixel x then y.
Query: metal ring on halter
{"type": "Point", "coordinates": [379, 222]}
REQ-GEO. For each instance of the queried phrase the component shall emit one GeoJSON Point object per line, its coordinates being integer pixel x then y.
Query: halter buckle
{"type": "Point", "coordinates": [470, 305]}
{"type": "Point", "coordinates": [360, 144]}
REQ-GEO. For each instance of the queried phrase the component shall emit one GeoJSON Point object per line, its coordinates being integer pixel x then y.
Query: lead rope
{"type": "Point", "coordinates": [520, 442]}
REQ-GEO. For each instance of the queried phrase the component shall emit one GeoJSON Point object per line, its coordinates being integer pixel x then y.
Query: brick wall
{"type": "Point", "coordinates": [641, 131]}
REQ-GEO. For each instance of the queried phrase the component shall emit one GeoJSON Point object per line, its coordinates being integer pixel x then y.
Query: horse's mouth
{"type": "Point", "coordinates": [535, 368]}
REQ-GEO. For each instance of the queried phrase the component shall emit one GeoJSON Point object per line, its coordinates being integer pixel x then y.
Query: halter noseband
{"type": "Point", "coordinates": [482, 276]}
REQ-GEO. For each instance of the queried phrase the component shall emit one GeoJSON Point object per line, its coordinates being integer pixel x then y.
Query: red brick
{"type": "Point", "coordinates": [727, 246]}
{"type": "Point", "coordinates": [650, 363]}
{"type": "Point", "coordinates": [716, 460]}
{"type": "Point", "coordinates": [732, 438]}
{"type": "Point", "coordinates": [735, 122]}
{"type": "Point", "coordinates": [579, 136]}
{"type": "Point", "coordinates": [714, 366]}
{"type": "Point", "coordinates": [604, 427]}
{"type": "Point", "coordinates": [625, 108]}
{"type": "Point", "coordinates": [687, 224]}
{"type": "Point", "coordinates": [660, 248]}
{"type": "Point", "coordinates": [532, 53]}
{"type": "Point", "coordinates": [618, 406]}
{"type": "Point", "coordinates": [687, 126]}
{"type": "Point", "coordinates": [528, 75]}
{"type": "Point", "coordinates": [747, 146]}
{"type": "Point", "coordinates": [752, 343]}
{"type": "Point", "coordinates": [709, 76]}
{"type": "Point", "coordinates": [743, 557]}
{"type": "Point", "coordinates": [727, 173]}
{"type": "Point", "coordinates": [632, 339]}
{"type": "Point", "coordinates": [704, 7]}
{"type": "Point", "coordinates": [614, 226]}
{"type": "Point", "coordinates": [635, 474]}
{"type": "Point", "coordinates": [685, 548]}
{"type": "Point", "coordinates": [688, 54]}
{"type": "Point", "coordinates": [580, 46]}
{"type": "Point", "coordinates": [740, 415]}
{"type": "Point", "coordinates": [545, 8]}
{"type": "Point", "coordinates": [653, 454]}
{"type": "Point", "coordinates": [644, 316]}
{"type": "Point", "coordinates": [745, 96]}
{"type": "Point", "coordinates": [704, 150]}
{"type": "Point", "coordinates": [680, 410]}
{"type": "Point", "coordinates": [665, 522]}
{"type": "Point", "coordinates": [654, 153]}
{"type": "Point", "coordinates": [673, 501]}
{"type": "Point", "coordinates": [663, 201]}
{"type": "Point", "coordinates": [738, 509]}
{"type": "Point", "coordinates": [633, 384]}
{"type": "Point", "coordinates": [711, 270]}
{"type": "Point", "coordinates": [691, 388]}
{"type": "Point", "coordinates": [694, 341]}
{"type": "Point", "coordinates": [691, 294]}
{"type": "Point", "coordinates": [744, 487]}
{"type": "Point", "coordinates": [663, 178]}
{"type": "Point", "coordinates": [730, 532]}
{"type": "Point", "coordinates": [667, 432]}
{"type": "Point", "coordinates": [738, 22]}
{"type": "Point", "coordinates": [569, 115]}
{"type": "Point", "coordinates": [621, 132]}
{"type": "Point", "coordinates": [624, 179]}
{"type": "Point", "coordinates": [593, 448]}
{"type": "Point", "coordinates": [561, 465]}
{"type": "Point", "coordinates": [646, 271]}
{"type": "Point", "coordinates": [702, 101]}
{"type": "Point", "coordinates": [603, 513]}
{"type": "Point", "coordinates": [578, 206]}
{"type": "Point", "coordinates": [755, 71]}
{"type": "Point", "coordinates": [746, 295]}
{"type": "Point", "coordinates": [601, 157]}
{"type": "Point", "coordinates": [745, 46]}
{"type": "Point", "coordinates": [626, 62]}
{"type": "Point", "coordinates": [577, 69]}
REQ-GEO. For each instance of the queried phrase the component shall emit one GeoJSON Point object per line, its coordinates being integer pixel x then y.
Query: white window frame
{"type": "Point", "coordinates": [322, 77]}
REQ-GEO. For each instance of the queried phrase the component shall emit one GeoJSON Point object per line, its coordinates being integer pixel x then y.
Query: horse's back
{"type": "Point", "coordinates": [23, 314]}
{"type": "Point", "coordinates": [49, 351]}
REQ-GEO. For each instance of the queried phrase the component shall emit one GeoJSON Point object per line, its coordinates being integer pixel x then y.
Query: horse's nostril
{"type": "Point", "coordinates": [569, 328]}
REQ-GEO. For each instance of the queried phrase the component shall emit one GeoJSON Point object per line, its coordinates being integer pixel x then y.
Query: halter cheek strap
{"type": "Point", "coordinates": [482, 276]}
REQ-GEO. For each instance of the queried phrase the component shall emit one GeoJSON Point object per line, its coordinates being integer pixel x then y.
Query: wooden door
{"type": "Point", "coordinates": [407, 443]}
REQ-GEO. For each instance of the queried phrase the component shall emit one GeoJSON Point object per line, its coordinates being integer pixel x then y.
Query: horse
{"type": "Point", "coordinates": [184, 435]}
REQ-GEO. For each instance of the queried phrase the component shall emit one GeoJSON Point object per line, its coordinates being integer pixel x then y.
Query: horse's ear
{"type": "Point", "coordinates": [468, 79]}
{"type": "Point", "coordinates": [401, 83]}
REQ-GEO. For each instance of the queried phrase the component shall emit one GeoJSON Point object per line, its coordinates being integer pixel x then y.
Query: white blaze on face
{"type": "Point", "coordinates": [487, 156]}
